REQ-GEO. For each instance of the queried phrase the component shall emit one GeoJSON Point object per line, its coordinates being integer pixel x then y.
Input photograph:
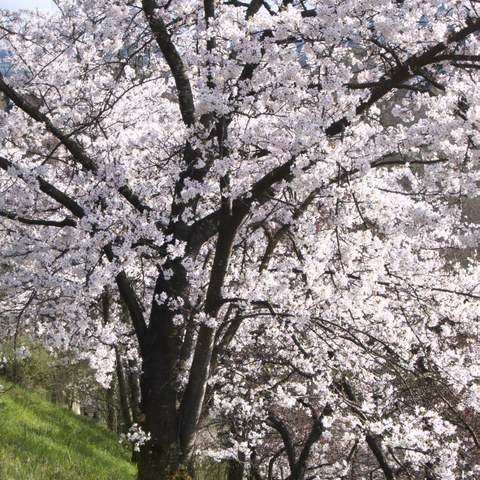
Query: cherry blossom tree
{"type": "Point", "coordinates": [275, 192]}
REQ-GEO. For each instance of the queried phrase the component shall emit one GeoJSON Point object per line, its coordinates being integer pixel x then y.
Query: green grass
{"type": "Point", "coordinates": [43, 441]}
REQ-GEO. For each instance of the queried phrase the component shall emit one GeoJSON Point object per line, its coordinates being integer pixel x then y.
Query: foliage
{"type": "Point", "coordinates": [31, 364]}
{"type": "Point", "coordinates": [43, 441]}
{"type": "Point", "coordinates": [264, 202]}
{"type": "Point", "coordinates": [59, 377]}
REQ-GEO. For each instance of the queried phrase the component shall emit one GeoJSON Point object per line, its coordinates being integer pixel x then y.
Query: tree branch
{"type": "Point", "coordinates": [66, 222]}
{"type": "Point", "coordinates": [123, 284]}
{"type": "Point", "coordinates": [314, 436]}
{"type": "Point", "coordinates": [404, 72]}
{"type": "Point", "coordinates": [75, 149]}
{"type": "Point", "coordinates": [53, 192]}
{"type": "Point", "coordinates": [253, 8]}
{"type": "Point", "coordinates": [191, 406]}
{"type": "Point", "coordinates": [287, 439]}
{"type": "Point", "coordinates": [130, 298]}
{"type": "Point", "coordinates": [34, 112]}
{"type": "Point", "coordinates": [372, 440]}
{"type": "Point", "coordinates": [179, 72]}
{"type": "Point", "coordinates": [207, 227]}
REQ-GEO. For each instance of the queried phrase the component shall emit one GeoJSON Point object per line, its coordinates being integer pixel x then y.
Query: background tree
{"type": "Point", "coordinates": [270, 189]}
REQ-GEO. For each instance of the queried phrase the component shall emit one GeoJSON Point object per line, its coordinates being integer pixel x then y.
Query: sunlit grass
{"type": "Point", "coordinates": [43, 441]}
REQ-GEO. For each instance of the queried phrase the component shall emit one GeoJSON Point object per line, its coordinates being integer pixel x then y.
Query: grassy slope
{"type": "Point", "coordinates": [42, 441]}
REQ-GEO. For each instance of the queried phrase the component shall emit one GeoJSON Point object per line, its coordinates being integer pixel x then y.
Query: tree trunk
{"type": "Point", "coordinates": [134, 384]}
{"type": "Point", "coordinates": [159, 459]}
{"type": "Point", "coordinates": [235, 470]}
{"type": "Point", "coordinates": [123, 392]}
{"type": "Point", "coordinates": [111, 410]}
{"type": "Point", "coordinates": [157, 462]}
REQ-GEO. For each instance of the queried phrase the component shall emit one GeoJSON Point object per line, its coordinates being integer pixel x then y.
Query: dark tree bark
{"type": "Point", "coordinates": [134, 388]}
{"type": "Point", "coordinates": [235, 470]}
{"type": "Point", "coordinates": [111, 408]}
{"type": "Point", "coordinates": [123, 391]}
{"type": "Point", "coordinates": [159, 382]}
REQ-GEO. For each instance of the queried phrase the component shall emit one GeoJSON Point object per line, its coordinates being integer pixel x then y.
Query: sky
{"type": "Point", "coordinates": [30, 4]}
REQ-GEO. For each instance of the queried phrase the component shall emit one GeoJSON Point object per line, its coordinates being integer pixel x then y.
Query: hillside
{"type": "Point", "coordinates": [43, 441]}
